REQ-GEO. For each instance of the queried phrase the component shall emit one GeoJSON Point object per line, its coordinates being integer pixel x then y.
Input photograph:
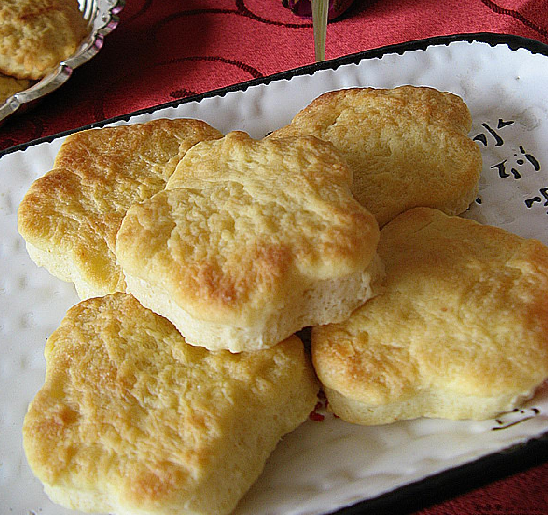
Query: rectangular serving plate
{"type": "Point", "coordinates": [324, 466]}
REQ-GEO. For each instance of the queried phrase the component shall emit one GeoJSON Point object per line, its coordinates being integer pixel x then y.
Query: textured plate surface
{"type": "Point", "coordinates": [327, 464]}
{"type": "Point", "coordinates": [102, 19]}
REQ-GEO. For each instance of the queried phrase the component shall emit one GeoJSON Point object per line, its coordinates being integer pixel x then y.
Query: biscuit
{"type": "Point", "coordinates": [460, 331]}
{"type": "Point", "coordinates": [408, 147]}
{"type": "Point", "coordinates": [36, 35]}
{"type": "Point", "coordinates": [251, 241]}
{"type": "Point", "coordinates": [70, 217]}
{"type": "Point", "coordinates": [10, 85]}
{"type": "Point", "coordinates": [131, 419]}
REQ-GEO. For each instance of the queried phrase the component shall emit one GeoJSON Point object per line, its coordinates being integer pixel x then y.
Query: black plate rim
{"type": "Point", "coordinates": [513, 42]}
{"type": "Point", "coordinates": [446, 485]}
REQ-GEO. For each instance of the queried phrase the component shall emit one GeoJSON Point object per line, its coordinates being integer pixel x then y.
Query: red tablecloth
{"type": "Point", "coordinates": [168, 49]}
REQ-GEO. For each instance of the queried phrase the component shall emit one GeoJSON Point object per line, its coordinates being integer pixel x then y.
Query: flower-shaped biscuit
{"type": "Point", "coordinates": [250, 242]}
{"type": "Point", "coordinates": [36, 35]}
{"type": "Point", "coordinates": [460, 331]}
{"type": "Point", "coordinates": [131, 419]}
{"type": "Point", "coordinates": [69, 217]}
{"type": "Point", "coordinates": [408, 147]}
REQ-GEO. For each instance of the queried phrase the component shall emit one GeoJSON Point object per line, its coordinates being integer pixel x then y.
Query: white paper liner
{"type": "Point", "coordinates": [322, 466]}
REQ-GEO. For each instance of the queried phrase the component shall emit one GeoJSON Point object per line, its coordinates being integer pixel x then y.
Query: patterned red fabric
{"type": "Point", "coordinates": [169, 49]}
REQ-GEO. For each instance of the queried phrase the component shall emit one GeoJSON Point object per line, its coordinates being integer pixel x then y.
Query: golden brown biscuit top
{"type": "Point", "coordinates": [78, 206]}
{"type": "Point", "coordinates": [36, 35]}
{"type": "Point", "coordinates": [464, 311]}
{"type": "Point", "coordinates": [10, 85]}
{"type": "Point", "coordinates": [129, 410]}
{"type": "Point", "coordinates": [407, 146]}
{"type": "Point", "coordinates": [329, 112]}
{"type": "Point", "coordinates": [242, 221]}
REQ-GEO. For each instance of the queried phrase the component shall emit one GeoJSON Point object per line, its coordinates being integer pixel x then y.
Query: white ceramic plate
{"type": "Point", "coordinates": [326, 465]}
{"type": "Point", "coordinates": [102, 19]}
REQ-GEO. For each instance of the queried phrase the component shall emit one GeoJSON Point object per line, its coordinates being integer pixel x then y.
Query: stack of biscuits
{"type": "Point", "coordinates": [35, 36]}
{"type": "Point", "coordinates": [200, 256]}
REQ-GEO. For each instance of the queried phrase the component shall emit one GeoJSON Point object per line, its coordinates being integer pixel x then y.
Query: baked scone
{"type": "Point", "coordinates": [460, 332]}
{"type": "Point", "coordinates": [131, 419]}
{"type": "Point", "coordinates": [408, 146]}
{"type": "Point", "coordinates": [251, 241]}
{"type": "Point", "coordinates": [36, 35]}
{"type": "Point", "coordinates": [69, 217]}
{"type": "Point", "coordinates": [10, 85]}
